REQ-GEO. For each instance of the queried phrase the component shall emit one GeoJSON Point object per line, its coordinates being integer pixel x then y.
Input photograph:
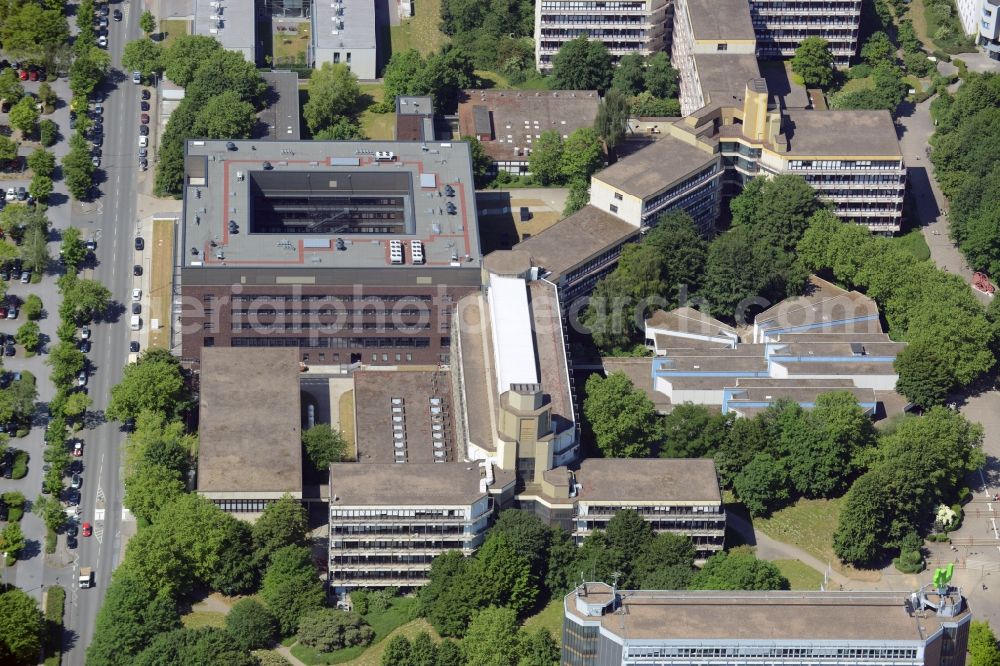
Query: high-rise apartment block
{"type": "Point", "coordinates": [781, 25]}
{"type": "Point", "coordinates": [624, 26]}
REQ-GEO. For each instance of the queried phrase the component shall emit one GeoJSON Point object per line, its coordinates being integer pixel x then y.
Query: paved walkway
{"type": "Point", "coordinates": [287, 654]}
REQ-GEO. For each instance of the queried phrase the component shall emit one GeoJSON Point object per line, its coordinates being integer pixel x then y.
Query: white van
{"type": "Point", "coordinates": [136, 322]}
{"type": "Point", "coordinates": [143, 141]}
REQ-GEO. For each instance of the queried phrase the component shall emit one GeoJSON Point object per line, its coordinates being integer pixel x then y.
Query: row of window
{"type": "Point", "coordinates": [655, 510]}
{"type": "Point", "coordinates": [667, 195]}
{"type": "Point", "coordinates": [854, 179]}
{"type": "Point", "coordinates": [339, 548]}
{"type": "Point", "coordinates": [866, 165]}
{"type": "Point", "coordinates": [327, 327]}
{"type": "Point", "coordinates": [372, 299]}
{"type": "Point", "coordinates": [606, 5]}
{"type": "Point", "coordinates": [573, 33]}
{"type": "Point", "coordinates": [736, 652]}
{"type": "Point", "coordinates": [418, 576]}
{"type": "Point", "coordinates": [242, 505]}
{"type": "Point", "coordinates": [397, 513]}
{"type": "Point", "coordinates": [327, 342]}
{"type": "Point", "coordinates": [268, 310]}
{"type": "Point", "coordinates": [602, 19]}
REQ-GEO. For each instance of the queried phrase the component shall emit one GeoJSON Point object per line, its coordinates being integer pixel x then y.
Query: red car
{"type": "Point", "coordinates": [78, 449]}
{"type": "Point", "coordinates": [144, 118]}
{"type": "Point", "coordinates": [22, 74]}
{"type": "Point", "coordinates": [33, 74]}
{"type": "Point", "coordinates": [87, 529]}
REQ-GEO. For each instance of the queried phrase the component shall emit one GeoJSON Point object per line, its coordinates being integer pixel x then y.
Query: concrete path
{"type": "Point", "coordinates": [287, 654]}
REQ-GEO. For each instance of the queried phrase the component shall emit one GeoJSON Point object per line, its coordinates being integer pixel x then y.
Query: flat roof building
{"type": "Point", "coordinates": [353, 252]}
{"type": "Point", "coordinates": [414, 118]}
{"type": "Point", "coordinates": [507, 122]}
{"type": "Point", "coordinates": [249, 455]}
{"type": "Point", "coordinates": [607, 627]}
{"type": "Point", "coordinates": [343, 31]}
{"type": "Point", "coordinates": [229, 23]}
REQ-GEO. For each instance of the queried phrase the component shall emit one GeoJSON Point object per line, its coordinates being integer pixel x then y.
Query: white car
{"type": "Point", "coordinates": [102, 41]}
{"type": "Point", "coordinates": [85, 333]}
{"type": "Point", "coordinates": [143, 141]}
{"type": "Point", "coordinates": [11, 194]}
{"type": "Point", "coordinates": [137, 77]}
{"type": "Point", "coordinates": [81, 378]}
{"type": "Point", "coordinates": [137, 294]}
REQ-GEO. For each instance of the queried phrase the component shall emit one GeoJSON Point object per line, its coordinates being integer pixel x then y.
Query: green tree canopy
{"type": "Point", "coordinates": [582, 154]}
{"type": "Point", "coordinates": [291, 587]}
{"type": "Point", "coordinates": [623, 418]}
{"type": "Point", "coordinates": [333, 92]}
{"type": "Point", "coordinates": [662, 80]}
{"type": "Point", "coordinates": [738, 569]}
{"type": "Point", "coordinates": [693, 431]}
{"type": "Point", "coordinates": [21, 627]}
{"type": "Point", "coordinates": [492, 639]}
{"type": "Point", "coordinates": [546, 158]}
{"type": "Point", "coordinates": [144, 56]}
{"type": "Point", "coordinates": [629, 77]}
{"type": "Point", "coordinates": [814, 62]}
{"type": "Point", "coordinates": [328, 629]}
{"type": "Point", "coordinates": [283, 523]}
{"type": "Point", "coordinates": [251, 624]}
{"type": "Point", "coordinates": [582, 64]}
{"type": "Point", "coordinates": [154, 382]}
{"type": "Point", "coordinates": [324, 445]}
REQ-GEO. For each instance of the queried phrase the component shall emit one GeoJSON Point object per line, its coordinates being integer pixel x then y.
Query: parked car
{"type": "Point", "coordinates": [144, 118]}
{"type": "Point", "coordinates": [136, 308]}
{"type": "Point", "coordinates": [102, 22]}
{"type": "Point", "coordinates": [137, 270]}
{"type": "Point", "coordinates": [77, 448]}
{"type": "Point", "coordinates": [136, 293]}
{"type": "Point", "coordinates": [137, 78]}
{"type": "Point", "coordinates": [4, 273]}
{"type": "Point", "coordinates": [85, 332]}
{"type": "Point", "coordinates": [71, 542]}
{"type": "Point", "coordinates": [76, 481]}
{"type": "Point", "coordinates": [11, 194]}
{"type": "Point", "coordinates": [91, 244]}
{"type": "Point", "coordinates": [117, 15]}
{"type": "Point", "coordinates": [25, 277]}
{"type": "Point", "coordinates": [146, 94]}
{"type": "Point", "coordinates": [32, 74]}
{"type": "Point", "coordinates": [133, 346]}
{"type": "Point", "coordinates": [8, 350]}
{"type": "Point", "coordinates": [143, 130]}
{"type": "Point", "coordinates": [139, 243]}
{"type": "Point", "coordinates": [72, 529]}
{"type": "Point", "coordinates": [102, 42]}
{"type": "Point", "coordinates": [76, 467]}
{"type": "Point", "coordinates": [96, 161]}
{"type": "Point", "coordinates": [143, 152]}
{"type": "Point", "coordinates": [22, 74]}
{"type": "Point", "coordinates": [84, 346]}
{"type": "Point", "coordinates": [103, 11]}
{"type": "Point", "coordinates": [12, 312]}
{"type": "Point", "coordinates": [143, 140]}
{"type": "Point", "coordinates": [143, 163]}
{"type": "Point", "coordinates": [22, 193]}
{"type": "Point", "coordinates": [143, 106]}
{"type": "Point", "coordinates": [81, 378]}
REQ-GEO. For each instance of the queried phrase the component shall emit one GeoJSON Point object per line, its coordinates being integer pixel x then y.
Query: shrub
{"type": "Point", "coordinates": [32, 307]}
{"type": "Point", "coordinates": [942, 56]}
{"type": "Point", "coordinates": [251, 624]}
{"type": "Point", "coordinates": [327, 630]}
{"type": "Point", "coordinates": [859, 71]}
{"type": "Point", "coordinates": [911, 557]}
{"type": "Point", "coordinates": [50, 541]}
{"type": "Point", "coordinates": [20, 468]}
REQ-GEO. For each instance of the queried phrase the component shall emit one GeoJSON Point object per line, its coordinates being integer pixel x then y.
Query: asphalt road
{"type": "Point", "coordinates": [111, 219]}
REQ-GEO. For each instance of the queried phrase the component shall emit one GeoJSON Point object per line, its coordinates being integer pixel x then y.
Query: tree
{"type": "Point", "coordinates": [283, 523]}
{"type": "Point", "coordinates": [582, 64]}
{"type": "Point", "coordinates": [47, 96]}
{"type": "Point", "coordinates": [152, 383]}
{"type": "Point", "coordinates": [50, 510]}
{"type": "Point", "coordinates": [505, 575]}
{"type": "Point", "coordinates": [48, 133]}
{"type": "Point", "coordinates": [42, 162]}
{"type": "Point", "coordinates": [333, 92]}
{"type": "Point", "coordinates": [133, 613]}
{"type": "Point", "coordinates": [546, 158]}
{"type": "Point", "coordinates": [397, 652]}
{"type": "Point", "coordinates": [72, 250]}
{"type": "Point", "coordinates": [32, 307]}
{"type": "Point", "coordinates": [538, 649]}
{"type": "Point", "coordinates": [482, 163]}
{"type": "Point", "coordinates": [492, 639]}
{"type": "Point", "coordinates": [423, 652]}
{"type": "Point", "coordinates": [29, 336]}
{"type": "Point", "coordinates": [763, 485]}
{"type": "Point", "coordinates": [35, 249]}
{"type": "Point", "coordinates": [204, 645]}
{"type": "Point", "coordinates": [184, 56]}
{"type": "Point", "coordinates": [21, 627]}
{"type": "Point", "coordinates": [324, 445]}
{"type": "Point", "coordinates": [225, 116]}
{"type": "Point", "coordinates": [149, 488]}
{"type": "Point", "coordinates": [78, 170]}
{"type": "Point", "coordinates": [88, 70]}
{"type": "Point", "coordinates": [24, 116]}
{"type": "Point", "coordinates": [662, 80]}
{"type": "Point", "coordinates": [147, 22]}
{"type": "Point", "coordinates": [30, 31]}
{"type": "Point", "coordinates": [694, 431]}
{"type": "Point", "coordinates": [40, 188]}
{"type": "Point", "coordinates": [76, 405]}
{"type": "Point", "coordinates": [738, 569]}
{"type": "Point", "coordinates": [578, 197]}
{"type": "Point", "coordinates": [623, 419]}
{"type": "Point", "coordinates": [877, 49]}
{"type": "Point", "coordinates": [291, 588]}
{"type": "Point", "coordinates": [983, 648]}
{"type": "Point", "coordinates": [449, 654]}
{"type": "Point", "coordinates": [527, 535]}
{"type": "Point", "coordinates": [251, 624]}
{"type": "Point", "coordinates": [83, 299]}
{"type": "Point", "coordinates": [612, 118]}
{"type": "Point", "coordinates": [8, 149]}
{"type": "Point", "coordinates": [11, 90]}
{"type": "Point", "coordinates": [645, 105]}
{"type": "Point", "coordinates": [345, 129]}
{"type": "Point", "coordinates": [12, 540]}
{"type": "Point", "coordinates": [329, 629]}
{"type": "Point", "coordinates": [144, 56]}
{"type": "Point", "coordinates": [862, 526]}
{"type": "Point", "coordinates": [629, 76]}
{"type": "Point", "coordinates": [923, 377]}
{"type": "Point", "coordinates": [582, 154]}
{"type": "Point", "coordinates": [814, 62]}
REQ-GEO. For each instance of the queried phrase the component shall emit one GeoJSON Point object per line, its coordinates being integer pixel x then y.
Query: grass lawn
{"type": "Point", "coordinates": [800, 576]}
{"type": "Point", "coordinates": [808, 524]}
{"type": "Point", "coordinates": [290, 46]}
{"type": "Point", "coordinates": [550, 617]}
{"type": "Point", "coordinates": [375, 125]}
{"type": "Point", "coordinates": [196, 619]}
{"type": "Point", "coordinates": [421, 32]}
{"type": "Point", "coordinates": [858, 84]}
{"type": "Point", "coordinates": [914, 243]}
{"type": "Point", "coordinates": [373, 655]}
{"type": "Point", "coordinates": [384, 624]}
{"type": "Point", "coordinates": [171, 29]}
{"type": "Point", "coordinates": [346, 409]}
{"type": "Point", "coordinates": [918, 15]}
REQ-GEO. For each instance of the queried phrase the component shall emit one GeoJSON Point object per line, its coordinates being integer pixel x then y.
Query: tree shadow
{"type": "Point", "coordinates": [32, 548]}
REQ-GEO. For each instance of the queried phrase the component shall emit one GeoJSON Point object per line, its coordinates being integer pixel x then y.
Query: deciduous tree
{"type": "Point", "coordinates": [324, 445]}
{"type": "Point", "coordinates": [662, 80]}
{"type": "Point", "coordinates": [291, 588]}
{"type": "Point", "coordinates": [283, 523]}
{"type": "Point", "coordinates": [329, 629]}
{"type": "Point", "coordinates": [492, 639]}
{"type": "Point", "coordinates": [333, 92]}
{"type": "Point", "coordinates": [738, 569]}
{"type": "Point", "coordinates": [814, 62]}
{"type": "Point", "coordinates": [582, 64]}
{"type": "Point", "coordinates": [21, 627]}
{"type": "Point", "coordinates": [623, 419]}
{"type": "Point", "coordinates": [546, 158]}
{"type": "Point", "coordinates": [251, 624]}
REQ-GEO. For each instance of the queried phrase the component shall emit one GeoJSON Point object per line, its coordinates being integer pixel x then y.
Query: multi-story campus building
{"type": "Point", "coordinates": [988, 28]}
{"type": "Point", "coordinates": [344, 32]}
{"type": "Point", "coordinates": [624, 26]}
{"type": "Point", "coordinates": [351, 252]}
{"type": "Point", "coordinates": [603, 626]}
{"type": "Point", "coordinates": [781, 25]}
